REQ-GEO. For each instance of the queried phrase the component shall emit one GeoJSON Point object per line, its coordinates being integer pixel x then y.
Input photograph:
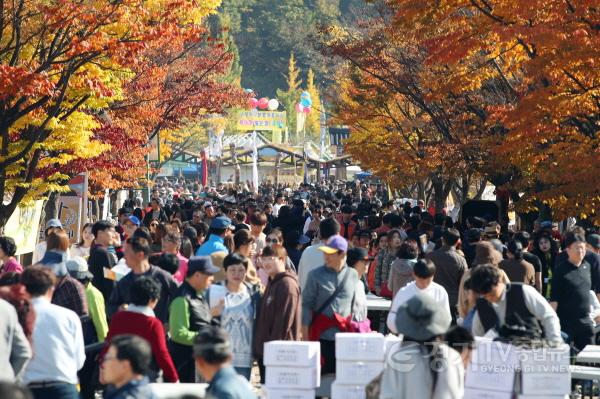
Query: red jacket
{"type": "Point", "coordinates": [149, 328]}
{"type": "Point", "coordinates": [351, 229]}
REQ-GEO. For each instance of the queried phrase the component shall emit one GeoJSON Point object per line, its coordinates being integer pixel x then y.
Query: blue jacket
{"type": "Point", "coordinates": [227, 384]}
{"type": "Point", "coordinates": [135, 389]}
{"type": "Point", "coordinates": [212, 245]}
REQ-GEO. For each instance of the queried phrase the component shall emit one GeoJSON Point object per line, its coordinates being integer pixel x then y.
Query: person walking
{"type": "Point", "coordinates": [213, 354]}
{"type": "Point", "coordinates": [15, 351]}
{"type": "Point", "coordinates": [327, 299]}
{"type": "Point", "coordinates": [189, 313]}
{"type": "Point", "coordinates": [516, 267]}
{"type": "Point", "coordinates": [8, 249]}
{"type": "Point", "coordinates": [237, 311]}
{"type": "Point", "coordinates": [313, 257]}
{"type": "Point", "coordinates": [58, 345]}
{"type": "Point", "coordinates": [450, 265]}
{"type": "Point", "coordinates": [124, 369]}
{"type": "Point", "coordinates": [279, 315]}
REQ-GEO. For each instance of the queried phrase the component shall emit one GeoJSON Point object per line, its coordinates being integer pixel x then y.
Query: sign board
{"type": "Point", "coordinates": [261, 120]}
{"type": "Point", "coordinates": [69, 213]}
{"type": "Point", "coordinates": [23, 226]}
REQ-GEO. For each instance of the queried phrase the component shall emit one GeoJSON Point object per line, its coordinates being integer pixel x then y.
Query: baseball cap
{"type": "Point", "coordinates": [334, 244]}
{"type": "Point", "coordinates": [594, 241]}
{"type": "Point", "coordinates": [134, 220]}
{"type": "Point", "coordinates": [207, 204]}
{"type": "Point", "coordinates": [221, 222]}
{"type": "Point", "coordinates": [202, 264]}
{"type": "Point", "coordinates": [356, 254]}
{"type": "Point", "coordinates": [78, 268]}
{"type": "Point", "coordinates": [53, 223]}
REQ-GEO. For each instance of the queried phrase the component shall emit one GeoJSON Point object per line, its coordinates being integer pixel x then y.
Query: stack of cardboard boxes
{"type": "Point", "coordinates": [502, 371]}
{"type": "Point", "coordinates": [293, 369]}
{"type": "Point", "coordinates": [359, 359]}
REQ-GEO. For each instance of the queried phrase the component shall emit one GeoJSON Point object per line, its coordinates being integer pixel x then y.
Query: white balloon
{"type": "Point", "coordinates": [273, 104]}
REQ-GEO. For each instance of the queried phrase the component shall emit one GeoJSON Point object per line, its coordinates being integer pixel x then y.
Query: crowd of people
{"type": "Point", "coordinates": [190, 287]}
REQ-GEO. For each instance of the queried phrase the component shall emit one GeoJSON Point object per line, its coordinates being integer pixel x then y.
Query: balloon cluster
{"type": "Point", "coordinates": [262, 103]}
{"type": "Point", "coordinates": [305, 103]}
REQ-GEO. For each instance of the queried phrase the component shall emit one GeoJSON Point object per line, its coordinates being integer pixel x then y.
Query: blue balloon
{"type": "Point", "coordinates": [306, 102]}
{"type": "Point", "coordinates": [305, 95]}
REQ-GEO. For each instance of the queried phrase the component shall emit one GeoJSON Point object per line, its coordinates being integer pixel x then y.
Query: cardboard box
{"type": "Point", "coordinates": [277, 393]}
{"type": "Point", "coordinates": [475, 393]}
{"type": "Point", "coordinates": [357, 373]}
{"type": "Point", "coordinates": [347, 391]}
{"type": "Point", "coordinates": [293, 377]}
{"type": "Point", "coordinates": [545, 360]}
{"type": "Point", "coordinates": [545, 384]}
{"type": "Point", "coordinates": [292, 353]}
{"type": "Point", "coordinates": [362, 347]}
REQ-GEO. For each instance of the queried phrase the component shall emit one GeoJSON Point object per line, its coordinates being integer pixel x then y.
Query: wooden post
{"type": "Point", "coordinates": [277, 166]}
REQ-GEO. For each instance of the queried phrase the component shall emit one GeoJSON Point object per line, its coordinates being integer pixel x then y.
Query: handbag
{"type": "Point", "coordinates": [317, 326]}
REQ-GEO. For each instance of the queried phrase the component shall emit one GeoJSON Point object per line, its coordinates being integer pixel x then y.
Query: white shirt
{"type": "Point", "coordinates": [276, 209]}
{"type": "Point", "coordinates": [58, 348]}
{"type": "Point", "coordinates": [311, 258]}
{"type": "Point", "coordinates": [434, 290]}
{"type": "Point", "coordinates": [80, 251]}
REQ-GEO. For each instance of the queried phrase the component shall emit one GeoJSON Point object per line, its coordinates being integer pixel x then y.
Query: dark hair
{"type": "Point", "coordinates": [235, 259]}
{"type": "Point", "coordinates": [572, 238]}
{"type": "Point", "coordinates": [138, 245]}
{"type": "Point", "coordinates": [14, 391]}
{"type": "Point", "coordinates": [167, 262]}
{"type": "Point", "coordinates": [523, 237]}
{"type": "Point", "coordinates": [424, 268]}
{"type": "Point", "coordinates": [408, 250]}
{"type": "Point", "coordinates": [142, 232]}
{"type": "Point", "coordinates": [328, 228]}
{"type": "Point", "coordinates": [212, 345]}
{"type": "Point", "coordinates": [85, 226]}
{"type": "Point", "coordinates": [143, 290]}
{"type": "Point", "coordinates": [9, 278]}
{"type": "Point", "coordinates": [101, 225]}
{"type": "Point", "coordinates": [484, 278]}
{"type": "Point", "coordinates": [451, 237]}
{"type": "Point", "coordinates": [8, 245]}
{"type": "Point", "coordinates": [477, 222]}
{"type": "Point", "coordinates": [191, 233]}
{"type": "Point", "coordinates": [459, 338]}
{"type": "Point", "coordinates": [240, 216]}
{"type": "Point", "coordinates": [276, 251]}
{"type": "Point", "coordinates": [242, 237]}
{"type": "Point", "coordinates": [173, 237]}
{"type": "Point", "coordinates": [215, 231]}
{"type": "Point", "coordinates": [58, 240]}
{"type": "Point", "coordinates": [136, 350]}
{"type": "Point", "coordinates": [177, 221]}
{"type": "Point", "coordinates": [515, 248]}
{"type": "Point", "coordinates": [38, 280]}
{"type": "Point", "coordinates": [187, 248]}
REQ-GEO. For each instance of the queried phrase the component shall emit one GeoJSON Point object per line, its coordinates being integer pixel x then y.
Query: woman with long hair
{"type": "Point", "coordinates": [244, 245]}
{"type": "Point", "coordinates": [383, 268]}
{"type": "Point", "coordinates": [82, 248]}
{"type": "Point", "coordinates": [546, 248]}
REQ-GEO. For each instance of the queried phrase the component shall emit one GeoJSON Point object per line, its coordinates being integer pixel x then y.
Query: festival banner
{"type": "Point", "coordinates": [261, 120]}
{"type": "Point", "coordinates": [69, 213]}
{"type": "Point", "coordinates": [23, 226]}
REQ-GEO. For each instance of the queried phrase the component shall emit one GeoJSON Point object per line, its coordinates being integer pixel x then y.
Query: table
{"type": "Point", "coordinates": [589, 355]}
{"type": "Point", "coordinates": [584, 372]}
{"type": "Point", "coordinates": [375, 302]}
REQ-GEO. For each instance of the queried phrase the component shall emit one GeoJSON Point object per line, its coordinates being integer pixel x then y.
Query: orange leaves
{"type": "Point", "coordinates": [17, 81]}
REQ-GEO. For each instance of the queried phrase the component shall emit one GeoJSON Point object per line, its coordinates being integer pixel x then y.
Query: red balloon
{"type": "Point", "coordinates": [252, 103]}
{"type": "Point", "coordinates": [263, 103]}
{"type": "Point", "coordinates": [299, 108]}
{"type": "Point", "coordinates": [307, 110]}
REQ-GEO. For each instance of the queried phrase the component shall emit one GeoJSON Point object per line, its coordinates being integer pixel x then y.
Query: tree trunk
{"type": "Point", "coordinates": [51, 207]}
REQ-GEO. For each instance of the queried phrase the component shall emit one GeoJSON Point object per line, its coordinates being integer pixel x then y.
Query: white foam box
{"type": "Point", "coordinates": [477, 393]}
{"type": "Point", "coordinates": [293, 377]}
{"type": "Point", "coordinates": [542, 397]}
{"type": "Point", "coordinates": [356, 372]}
{"type": "Point", "coordinates": [277, 393]}
{"type": "Point", "coordinates": [493, 367]}
{"type": "Point", "coordinates": [545, 360]}
{"type": "Point", "coordinates": [357, 346]}
{"type": "Point", "coordinates": [347, 391]}
{"type": "Point", "coordinates": [292, 353]}
{"type": "Point", "coordinates": [545, 384]}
